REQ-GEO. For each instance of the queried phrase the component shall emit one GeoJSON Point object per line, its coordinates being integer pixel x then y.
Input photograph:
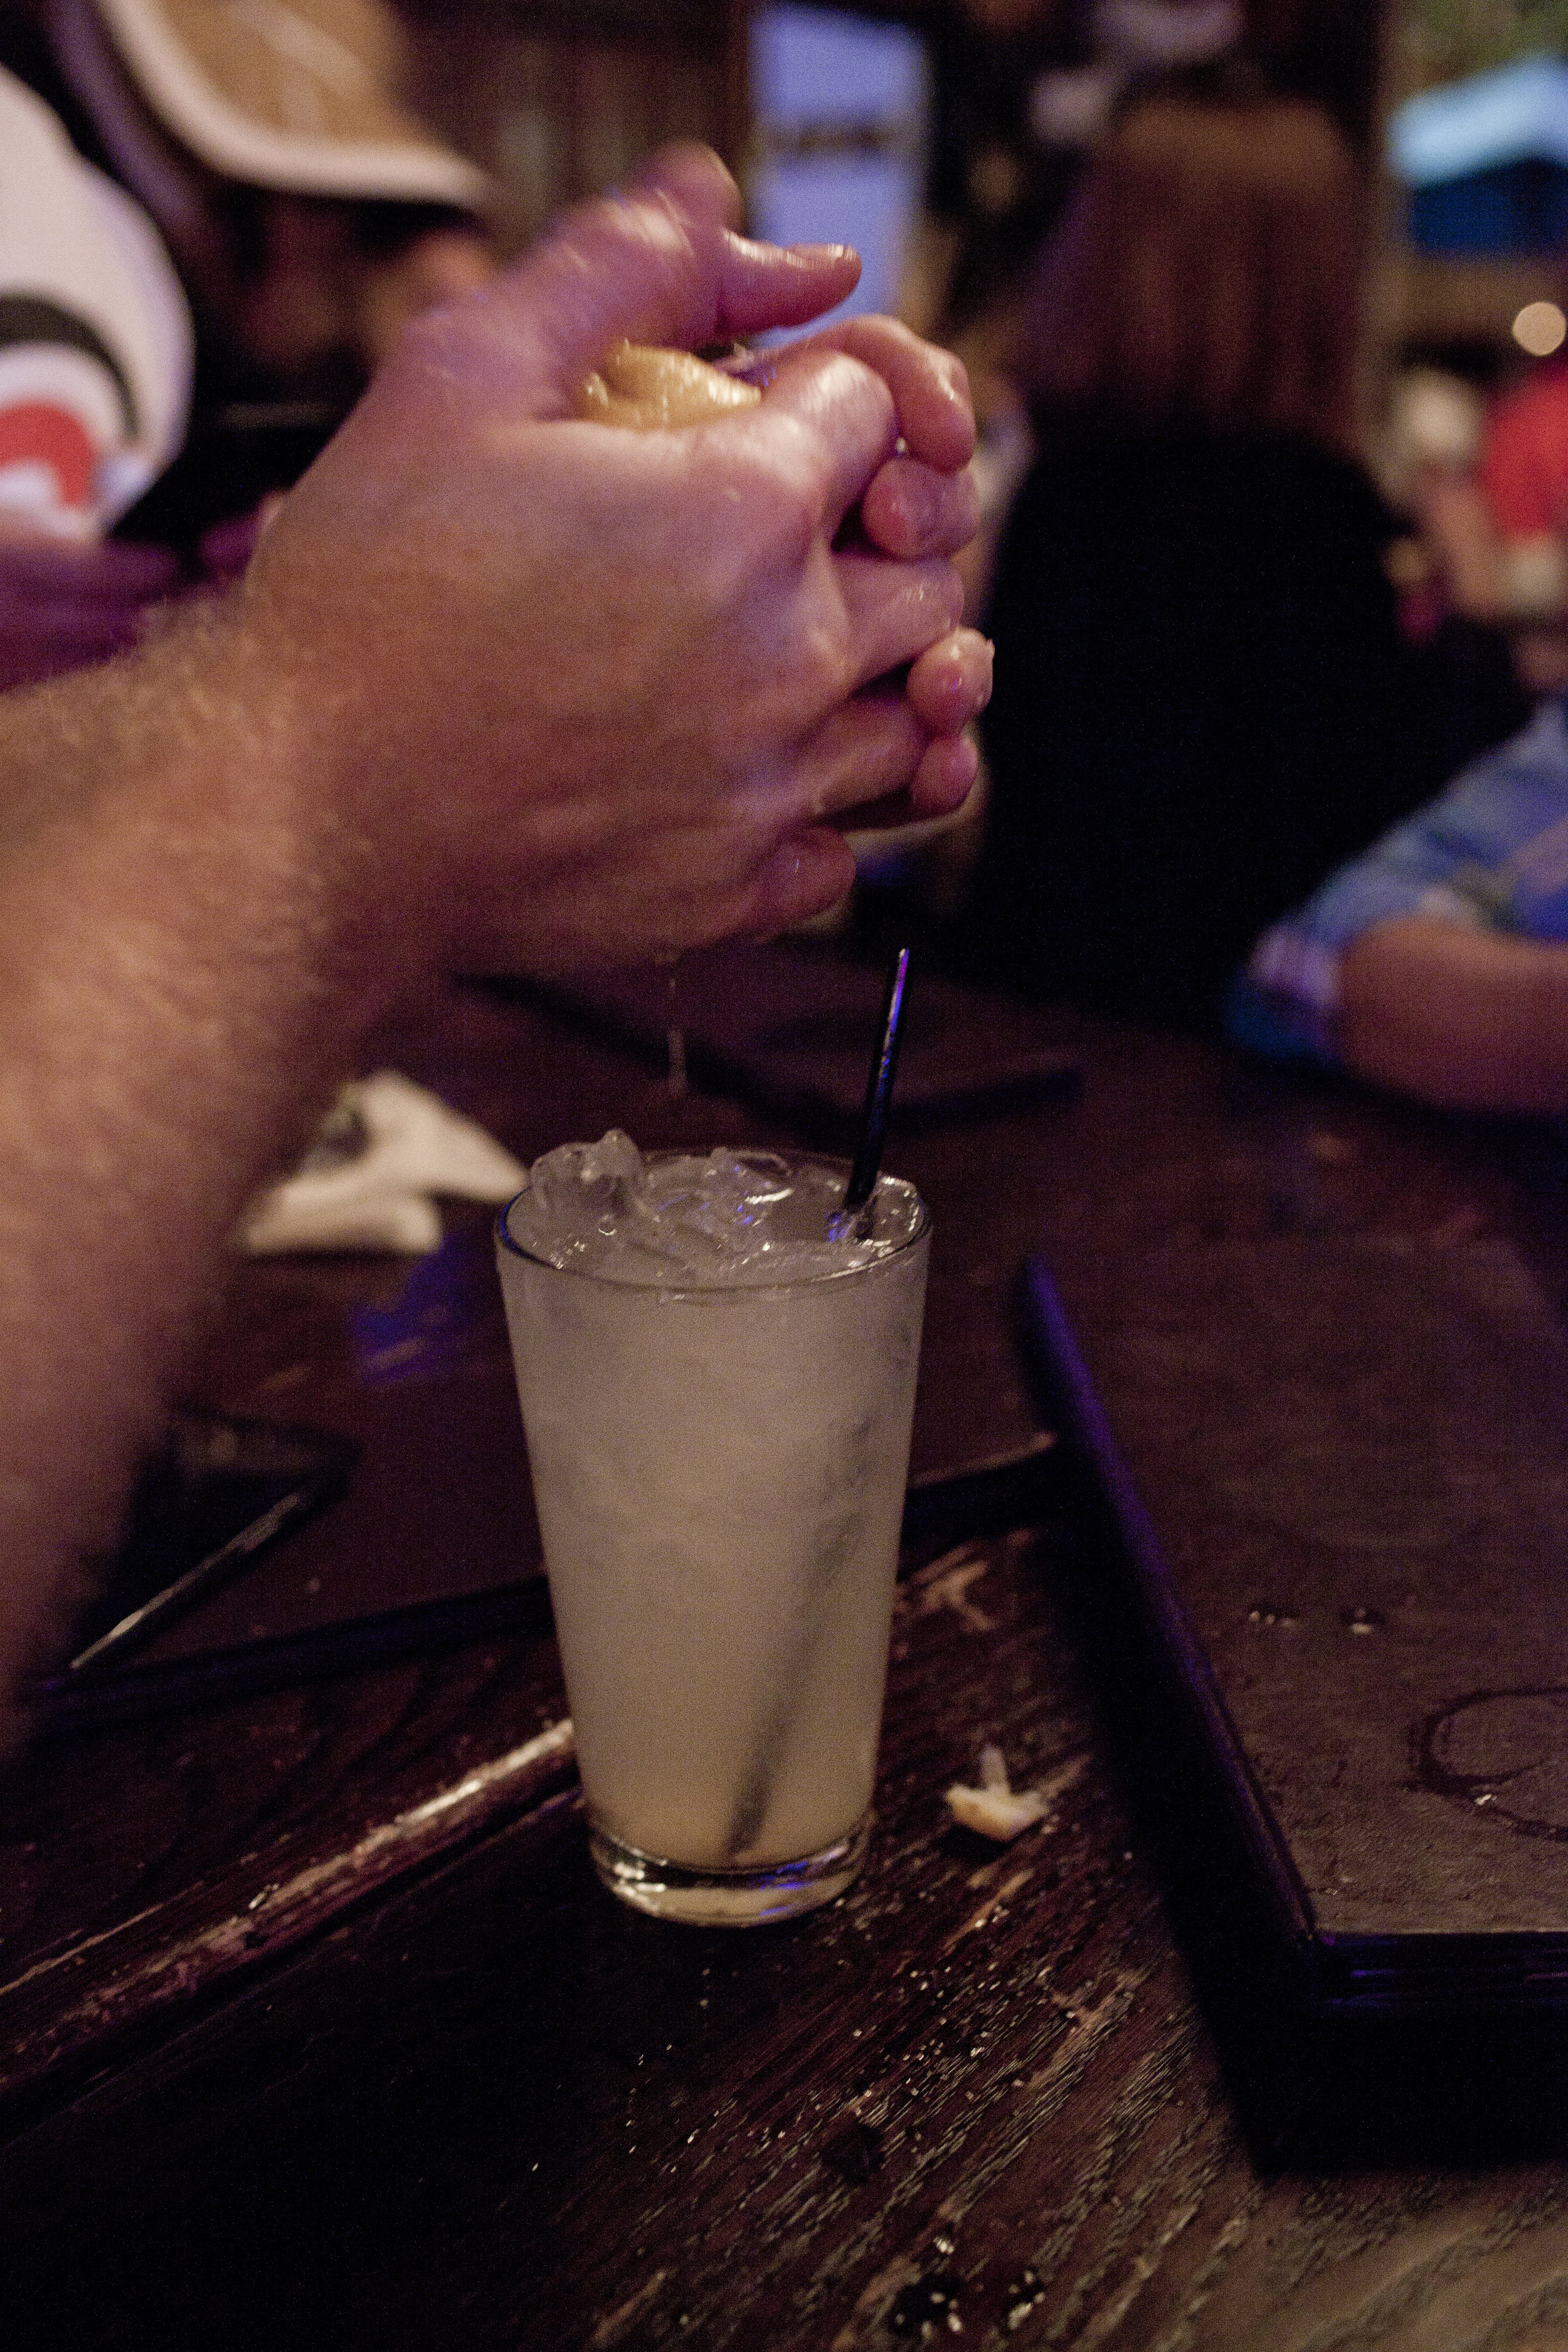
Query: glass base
{"type": "Point", "coordinates": [728, 1898]}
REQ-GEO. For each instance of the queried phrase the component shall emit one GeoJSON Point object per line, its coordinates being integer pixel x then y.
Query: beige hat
{"type": "Point", "coordinates": [293, 94]}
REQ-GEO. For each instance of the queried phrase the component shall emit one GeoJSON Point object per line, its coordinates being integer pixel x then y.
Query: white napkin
{"type": "Point", "coordinates": [379, 1198]}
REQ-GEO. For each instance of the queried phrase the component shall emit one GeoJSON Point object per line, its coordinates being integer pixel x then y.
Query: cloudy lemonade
{"type": "Point", "coordinates": [717, 1394]}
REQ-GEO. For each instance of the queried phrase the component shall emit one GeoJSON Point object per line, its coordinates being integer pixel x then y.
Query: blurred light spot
{"type": "Point", "coordinates": [1539, 329]}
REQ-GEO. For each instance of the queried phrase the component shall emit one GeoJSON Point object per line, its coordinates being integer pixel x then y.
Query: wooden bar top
{"type": "Point", "coordinates": [315, 2031]}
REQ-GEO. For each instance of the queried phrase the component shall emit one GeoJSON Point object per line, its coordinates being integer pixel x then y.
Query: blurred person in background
{"type": "Point", "coordinates": [215, 223]}
{"type": "Point", "coordinates": [1495, 521]}
{"type": "Point", "coordinates": [1523, 478]}
{"type": "Point", "coordinates": [1443, 563]}
{"type": "Point", "coordinates": [1202, 699]}
{"type": "Point", "coordinates": [1436, 962]}
{"type": "Point", "coordinates": [1023, 91]}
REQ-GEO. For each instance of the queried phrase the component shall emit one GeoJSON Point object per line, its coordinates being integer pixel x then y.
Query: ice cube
{"type": "Point", "coordinates": [726, 1216]}
{"type": "Point", "coordinates": [579, 1185]}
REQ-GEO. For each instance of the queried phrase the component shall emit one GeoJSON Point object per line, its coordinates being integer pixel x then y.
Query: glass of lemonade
{"type": "Point", "coordinates": [717, 1388]}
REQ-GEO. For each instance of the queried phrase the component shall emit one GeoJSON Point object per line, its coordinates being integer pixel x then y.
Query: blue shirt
{"type": "Point", "coordinates": [1491, 851]}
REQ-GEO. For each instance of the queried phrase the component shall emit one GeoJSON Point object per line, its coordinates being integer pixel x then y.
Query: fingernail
{"type": "Point", "coordinates": [821, 252]}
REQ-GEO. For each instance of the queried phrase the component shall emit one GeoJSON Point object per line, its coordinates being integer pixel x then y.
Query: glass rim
{"type": "Point", "coordinates": [685, 1288]}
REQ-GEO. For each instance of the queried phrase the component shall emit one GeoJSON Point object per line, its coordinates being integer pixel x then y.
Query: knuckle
{"type": "Point", "coordinates": [783, 491]}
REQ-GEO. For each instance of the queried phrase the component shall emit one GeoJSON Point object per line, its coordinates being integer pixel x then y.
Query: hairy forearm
{"type": "Point", "coordinates": [173, 1006]}
{"type": "Point", "coordinates": [1472, 1020]}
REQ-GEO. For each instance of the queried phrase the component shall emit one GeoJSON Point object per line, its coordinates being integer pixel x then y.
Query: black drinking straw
{"type": "Point", "coordinates": [847, 1223]}
{"type": "Point", "coordinates": [879, 1094]}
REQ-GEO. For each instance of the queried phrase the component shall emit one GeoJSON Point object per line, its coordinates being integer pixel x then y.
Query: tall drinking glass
{"type": "Point", "coordinates": [718, 1439]}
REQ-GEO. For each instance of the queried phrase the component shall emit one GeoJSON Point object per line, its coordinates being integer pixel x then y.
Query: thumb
{"type": "Point", "coordinates": [656, 265]}
{"type": "Point", "coordinates": [695, 179]}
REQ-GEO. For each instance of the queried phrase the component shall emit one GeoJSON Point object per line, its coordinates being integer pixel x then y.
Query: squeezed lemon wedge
{"type": "Point", "coordinates": [646, 388]}
{"type": "Point", "coordinates": [996, 1808]}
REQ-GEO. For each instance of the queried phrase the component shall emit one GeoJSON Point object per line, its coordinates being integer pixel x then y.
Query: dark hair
{"type": "Point", "coordinates": [1206, 272]}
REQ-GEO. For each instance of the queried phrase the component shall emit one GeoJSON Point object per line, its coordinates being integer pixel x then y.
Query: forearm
{"type": "Point", "coordinates": [175, 996]}
{"type": "Point", "coordinates": [1472, 1020]}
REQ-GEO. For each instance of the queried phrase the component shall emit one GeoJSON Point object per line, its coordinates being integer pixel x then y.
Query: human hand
{"type": "Point", "coordinates": [923, 501]}
{"type": "Point", "coordinates": [913, 510]}
{"type": "Point", "coordinates": [435, 267]}
{"type": "Point", "coordinates": [580, 695]}
{"type": "Point", "coordinates": [64, 603]}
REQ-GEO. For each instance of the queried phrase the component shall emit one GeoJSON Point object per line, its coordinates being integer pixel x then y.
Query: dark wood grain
{"type": "Point", "coordinates": [484, 2105]}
